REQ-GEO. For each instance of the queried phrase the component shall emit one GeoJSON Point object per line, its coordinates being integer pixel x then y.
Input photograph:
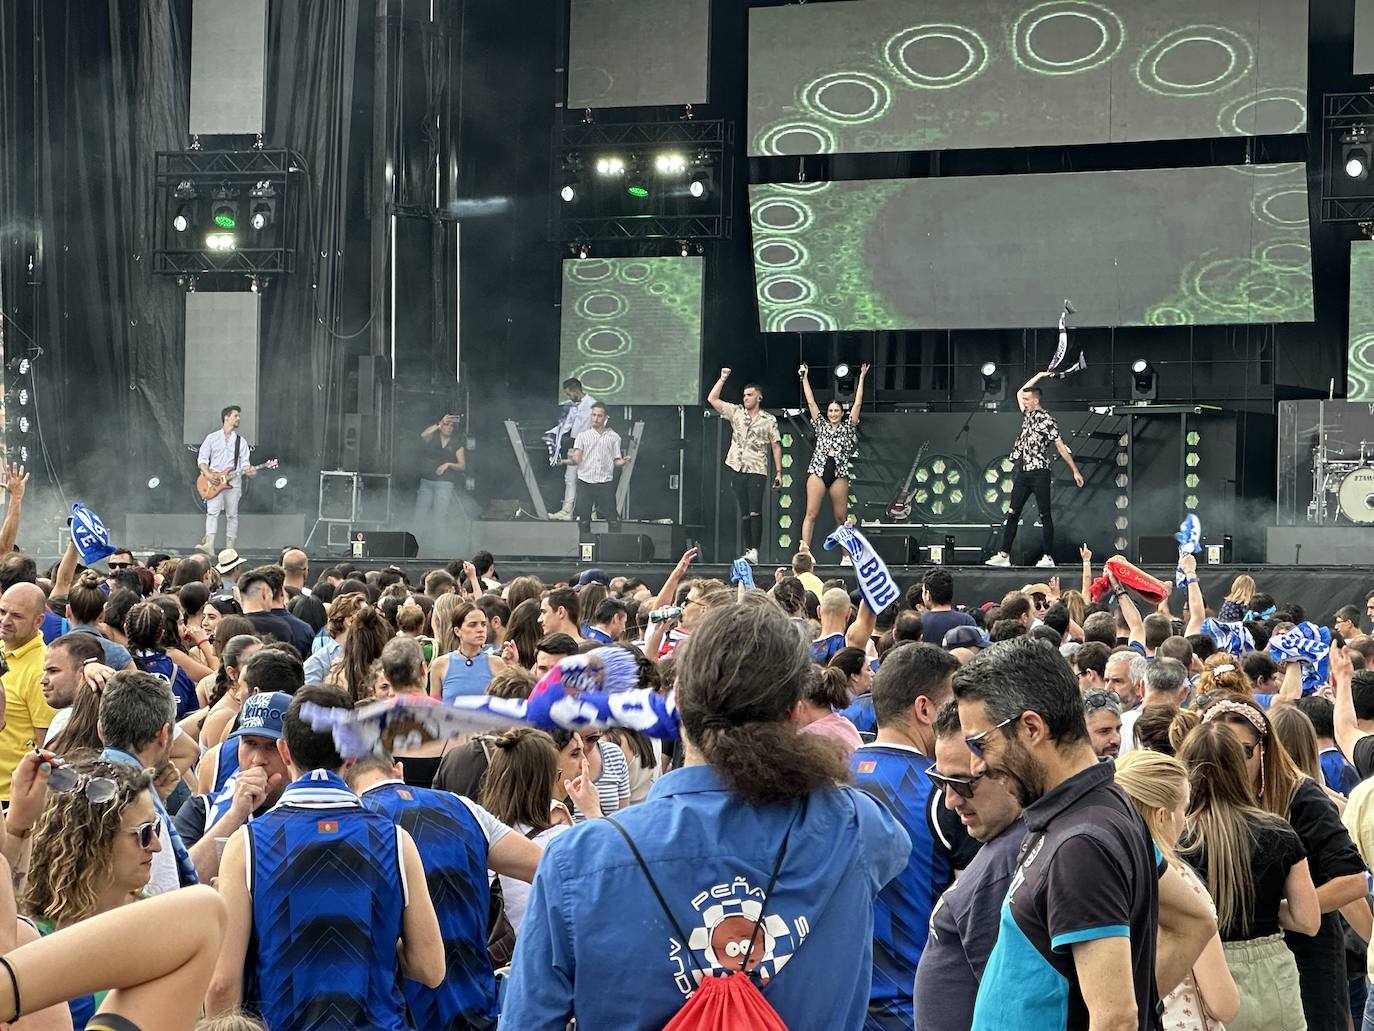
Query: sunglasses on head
{"type": "Point", "coordinates": [147, 833]}
{"type": "Point", "coordinates": [1100, 700]}
{"type": "Point", "coordinates": [98, 790]}
{"type": "Point", "coordinates": [975, 741]}
{"type": "Point", "coordinates": [961, 786]}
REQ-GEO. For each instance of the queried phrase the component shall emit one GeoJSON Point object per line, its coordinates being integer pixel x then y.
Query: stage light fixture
{"type": "Point", "coordinates": [700, 183]}
{"type": "Point", "coordinates": [1357, 152]}
{"type": "Point", "coordinates": [610, 165]}
{"type": "Point", "coordinates": [280, 483]}
{"type": "Point", "coordinates": [262, 197]}
{"type": "Point", "coordinates": [182, 220]}
{"type": "Point", "coordinates": [569, 191]}
{"type": "Point", "coordinates": [636, 182]}
{"type": "Point", "coordinates": [670, 164]}
{"type": "Point", "coordinates": [221, 241]}
{"type": "Point", "coordinates": [1144, 382]}
{"type": "Point", "coordinates": [845, 377]}
{"type": "Point", "coordinates": [24, 455]}
{"type": "Point", "coordinates": [23, 424]}
{"type": "Point", "coordinates": [683, 247]}
{"type": "Point", "coordinates": [19, 365]}
{"type": "Point", "coordinates": [154, 482]}
{"type": "Point", "coordinates": [224, 211]}
{"type": "Point", "coordinates": [994, 386]}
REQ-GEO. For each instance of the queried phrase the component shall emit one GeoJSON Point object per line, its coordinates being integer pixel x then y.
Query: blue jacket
{"type": "Point", "coordinates": [711, 855]}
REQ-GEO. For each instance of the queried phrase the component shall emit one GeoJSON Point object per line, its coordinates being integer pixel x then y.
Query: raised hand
{"type": "Point", "coordinates": [724, 375]}
{"type": "Point", "coordinates": [582, 790]}
{"type": "Point", "coordinates": [16, 481]}
{"type": "Point", "coordinates": [1085, 553]}
{"type": "Point", "coordinates": [688, 557]}
{"type": "Point", "coordinates": [1187, 563]}
{"type": "Point", "coordinates": [863, 369]}
{"type": "Point", "coordinates": [802, 370]}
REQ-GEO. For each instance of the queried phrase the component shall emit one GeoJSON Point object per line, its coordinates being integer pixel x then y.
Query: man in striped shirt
{"type": "Point", "coordinates": [596, 453]}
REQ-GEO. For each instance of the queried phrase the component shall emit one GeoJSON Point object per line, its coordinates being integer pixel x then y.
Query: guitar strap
{"type": "Point", "coordinates": [238, 440]}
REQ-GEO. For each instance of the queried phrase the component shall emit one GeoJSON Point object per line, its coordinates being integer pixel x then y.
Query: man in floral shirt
{"type": "Point", "coordinates": [1031, 453]}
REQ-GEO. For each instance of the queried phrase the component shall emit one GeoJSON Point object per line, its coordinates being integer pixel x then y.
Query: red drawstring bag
{"type": "Point", "coordinates": [731, 1002]}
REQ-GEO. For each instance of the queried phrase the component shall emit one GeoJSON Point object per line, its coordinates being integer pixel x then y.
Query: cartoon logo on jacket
{"type": "Point", "coordinates": [728, 917]}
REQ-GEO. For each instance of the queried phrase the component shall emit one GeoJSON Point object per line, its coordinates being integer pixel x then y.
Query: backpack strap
{"type": "Point", "coordinates": [663, 904]}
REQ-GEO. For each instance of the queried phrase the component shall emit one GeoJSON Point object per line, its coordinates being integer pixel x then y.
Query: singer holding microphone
{"type": "Point", "coordinates": [837, 441]}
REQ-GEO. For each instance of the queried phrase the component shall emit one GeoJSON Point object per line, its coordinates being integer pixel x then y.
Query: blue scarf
{"type": "Point", "coordinates": [1308, 645]}
{"type": "Point", "coordinates": [1189, 539]}
{"type": "Point", "coordinates": [1230, 637]}
{"type": "Point", "coordinates": [740, 573]}
{"type": "Point", "coordinates": [875, 582]}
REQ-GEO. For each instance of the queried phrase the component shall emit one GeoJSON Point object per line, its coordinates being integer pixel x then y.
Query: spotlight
{"type": "Point", "coordinates": [700, 184]}
{"type": "Point", "coordinates": [224, 212]}
{"type": "Point", "coordinates": [181, 221]}
{"type": "Point", "coordinates": [24, 455]}
{"type": "Point", "coordinates": [683, 247]}
{"type": "Point", "coordinates": [572, 176]}
{"type": "Point", "coordinates": [19, 365]}
{"type": "Point", "coordinates": [569, 191]}
{"type": "Point", "coordinates": [1144, 383]}
{"type": "Point", "coordinates": [670, 164]}
{"type": "Point", "coordinates": [23, 424]}
{"type": "Point", "coordinates": [279, 483]}
{"type": "Point", "coordinates": [994, 386]}
{"type": "Point", "coordinates": [220, 241]}
{"type": "Point", "coordinates": [637, 183]}
{"type": "Point", "coordinates": [264, 209]}
{"type": "Point", "coordinates": [1356, 153]}
{"type": "Point", "coordinates": [154, 482]}
{"type": "Point", "coordinates": [184, 217]}
{"type": "Point", "coordinates": [583, 250]}
{"type": "Point", "coordinates": [610, 165]}
{"type": "Point", "coordinates": [844, 377]}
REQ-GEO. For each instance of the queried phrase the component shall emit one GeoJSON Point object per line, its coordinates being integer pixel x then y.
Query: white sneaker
{"type": "Point", "coordinates": [563, 514]}
{"type": "Point", "coordinates": [1045, 562]}
{"type": "Point", "coordinates": [231, 542]}
{"type": "Point", "coordinates": [751, 556]}
{"type": "Point", "coordinates": [998, 560]}
{"type": "Point", "coordinates": [206, 545]}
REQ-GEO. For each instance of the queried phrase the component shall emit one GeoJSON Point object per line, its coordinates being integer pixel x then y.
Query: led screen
{"type": "Point", "coordinates": [1175, 246]}
{"type": "Point", "coordinates": [638, 53]}
{"type": "Point", "coordinates": [893, 75]}
{"type": "Point", "coordinates": [1360, 371]}
{"type": "Point", "coordinates": [631, 329]}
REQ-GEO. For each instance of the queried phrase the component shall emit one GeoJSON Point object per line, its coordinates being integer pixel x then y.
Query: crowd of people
{"type": "Point", "coordinates": [1047, 810]}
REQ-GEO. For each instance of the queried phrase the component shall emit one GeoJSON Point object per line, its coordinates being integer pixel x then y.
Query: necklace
{"type": "Point", "coordinates": [469, 659]}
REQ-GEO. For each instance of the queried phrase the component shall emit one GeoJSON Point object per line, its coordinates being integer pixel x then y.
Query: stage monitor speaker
{"type": "Point", "coordinates": [624, 547]}
{"type": "Point", "coordinates": [1156, 551]}
{"type": "Point", "coordinates": [901, 551]}
{"type": "Point", "coordinates": [388, 543]}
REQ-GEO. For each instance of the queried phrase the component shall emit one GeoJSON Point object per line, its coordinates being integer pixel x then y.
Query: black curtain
{"type": "Point", "coordinates": [90, 91]}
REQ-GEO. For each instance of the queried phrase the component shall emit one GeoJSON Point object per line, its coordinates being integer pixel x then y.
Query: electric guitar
{"type": "Point", "coordinates": [900, 507]}
{"type": "Point", "coordinates": [220, 480]}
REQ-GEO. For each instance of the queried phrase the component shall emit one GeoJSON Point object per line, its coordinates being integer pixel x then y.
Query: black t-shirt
{"type": "Point", "coordinates": [272, 625]}
{"type": "Point", "coordinates": [1363, 756]}
{"type": "Point", "coordinates": [1320, 957]}
{"type": "Point", "coordinates": [433, 454]}
{"type": "Point", "coordinates": [1275, 849]}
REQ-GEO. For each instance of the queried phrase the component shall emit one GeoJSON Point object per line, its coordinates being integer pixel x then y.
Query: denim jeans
{"type": "Point", "coordinates": [1369, 1012]}
{"type": "Point", "coordinates": [432, 504]}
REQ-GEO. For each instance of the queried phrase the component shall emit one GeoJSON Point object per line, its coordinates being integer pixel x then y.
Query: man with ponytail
{"type": "Point", "coordinates": [752, 860]}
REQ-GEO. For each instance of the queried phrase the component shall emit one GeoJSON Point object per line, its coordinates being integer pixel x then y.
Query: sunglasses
{"type": "Point", "coordinates": [147, 833]}
{"type": "Point", "coordinates": [98, 790]}
{"type": "Point", "coordinates": [117, 566]}
{"type": "Point", "coordinates": [1249, 747]}
{"type": "Point", "coordinates": [1100, 700]}
{"type": "Point", "coordinates": [975, 742]}
{"type": "Point", "coordinates": [961, 786]}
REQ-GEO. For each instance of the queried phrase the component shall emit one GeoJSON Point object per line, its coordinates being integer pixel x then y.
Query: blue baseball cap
{"type": "Point", "coordinates": [262, 715]}
{"type": "Point", "coordinates": [964, 637]}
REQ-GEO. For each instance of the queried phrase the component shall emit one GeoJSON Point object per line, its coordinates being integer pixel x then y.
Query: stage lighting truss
{"type": "Point", "coordinates": [1347, 188]}
{"type": "Point", "coordinates": [222, 212]}
{"type": "Point", "coordinates": [941, 487]}
{"type": "Point", "coordinates": [667, 180]}
{"type": "Point", "coordinates": [995, 490]}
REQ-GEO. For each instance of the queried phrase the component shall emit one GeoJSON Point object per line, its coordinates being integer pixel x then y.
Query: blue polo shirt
{"type": "Point", "coordinates": [823, 649]}
{"type": "Point", "coordinates": [1087, 871]}
{"type": "Point", "coordinates": [711, 855]}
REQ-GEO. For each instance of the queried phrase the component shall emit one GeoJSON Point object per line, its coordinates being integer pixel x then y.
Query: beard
{"type": "Point", "coordinates": [1021, 773]}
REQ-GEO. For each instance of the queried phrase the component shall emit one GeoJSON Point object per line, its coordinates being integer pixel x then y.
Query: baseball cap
{"type": "Point", "coordinates": [964, 637]}
{"type": "Point", "coordinates": [228, 559]}
{"type": "Point", "coordinates": [593, 576]}
{"type": "Point", "coordinates": [262, 715]}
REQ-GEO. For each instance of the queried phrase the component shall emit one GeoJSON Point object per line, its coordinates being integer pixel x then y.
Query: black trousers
{"type": "Point", "coordinates": [1026, 483]}
{"type": "Point", "coordinates": [749, 488]}
{"type": "Point", "coordinates": [600, 495]}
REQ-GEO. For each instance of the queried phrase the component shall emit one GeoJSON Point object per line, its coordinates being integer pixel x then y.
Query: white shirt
{"type": "Point", "coordinates": [599, 450]}
{"type": "Point", "coordinates": [517, 892]}
{"type": "Point", "coordinates": [1128, 719]}
{"type": "Point", "coordinates": [217, 451]}
{"type": "Point", "coordinates": [580, 415]}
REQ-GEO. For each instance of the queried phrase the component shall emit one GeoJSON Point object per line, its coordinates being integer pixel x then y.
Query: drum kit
{"type": "Point", "coordinates": [1348, 481]}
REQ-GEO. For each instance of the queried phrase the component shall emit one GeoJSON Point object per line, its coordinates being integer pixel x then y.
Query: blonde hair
{"type": "Point", "coordinates": [231, 1022]}
{"type": "Point", "coordinates": [1156, 783]}
{"type": "Point", "coordinates": [1293, 727]}
{"type": "Point", "coordinates": [1076, 604]}
{"type": "Point", "coordinates": [1242, 589]}
{"type": "Point", "coordinates": [443, 619]}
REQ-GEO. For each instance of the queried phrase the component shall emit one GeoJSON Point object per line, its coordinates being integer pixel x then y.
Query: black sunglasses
{"type": "Point", "coordinates": [147, 832]}
{"type": "Point", "coordinates": [117, 566]}
{"type": "Point", "coordinates": [961, 786]}
{"type": "Point", "coordinates": [1100, 700]}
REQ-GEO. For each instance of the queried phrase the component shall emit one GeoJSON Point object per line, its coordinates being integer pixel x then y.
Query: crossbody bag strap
{"type": "Point", "coordinates": [663, 903]}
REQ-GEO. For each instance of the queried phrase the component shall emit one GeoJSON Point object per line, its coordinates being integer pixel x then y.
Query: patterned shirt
{"type": "Point", "coordinates": [839, 442]}
{"type": "Point", "coordinates": [752, 440]}
{"type": "Point", "coordinates": [1032, 447]}
{"type": "Point", "coordinates": [599, 450]}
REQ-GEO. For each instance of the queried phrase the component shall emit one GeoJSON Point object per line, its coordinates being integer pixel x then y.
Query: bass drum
{"type": "Point", "coordinates": [1356, 496]}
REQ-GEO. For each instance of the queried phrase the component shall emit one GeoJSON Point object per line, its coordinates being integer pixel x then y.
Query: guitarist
{"type": "Point", "coordinates": [224, 456]}
{"type": "Point", "coordinates": [836, 443]}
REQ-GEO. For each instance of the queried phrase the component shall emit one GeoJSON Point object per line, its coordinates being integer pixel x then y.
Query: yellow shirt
{"type": "Point", "coordinates": [25, 708]}
{"type": "Point", "coordinates": [1359, 821]}
{"type": "Point", "coordinates": [812, 583]}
